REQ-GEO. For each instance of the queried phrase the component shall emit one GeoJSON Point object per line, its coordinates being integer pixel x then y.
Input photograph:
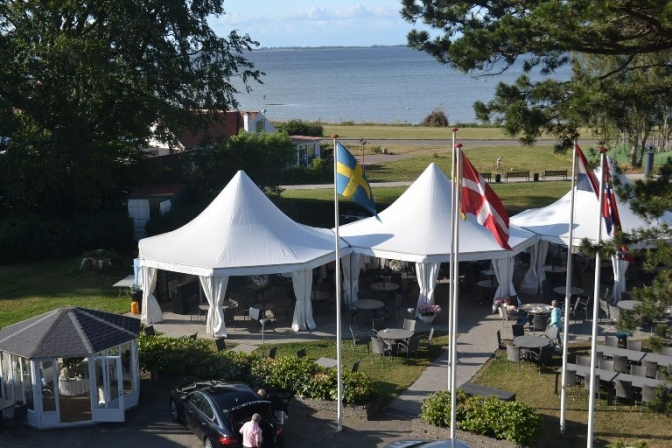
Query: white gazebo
{"type": "Point", "coordinates": [72, 366]}
{"type": "Point", "coordinates": [240, 233]}
{"type": "Point", "coordinates": [416, 228]}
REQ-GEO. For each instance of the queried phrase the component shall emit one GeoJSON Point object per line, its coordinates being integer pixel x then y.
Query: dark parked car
{"type": "Point", "coordinates": [216, 410]}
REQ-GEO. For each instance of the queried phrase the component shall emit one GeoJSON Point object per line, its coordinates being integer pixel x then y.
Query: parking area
{"type": "Point", "coordinates": [150, 426]}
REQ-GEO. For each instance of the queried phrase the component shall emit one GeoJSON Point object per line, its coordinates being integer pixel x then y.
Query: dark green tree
{"type": "Point", "coordinates": [264, 157]}
{"type": "Point", "coordinates": [489, 37]}
{"type": "Point", "coordinates": [300, 127]}
{"type": "Point", "coordinates": [83, 84]}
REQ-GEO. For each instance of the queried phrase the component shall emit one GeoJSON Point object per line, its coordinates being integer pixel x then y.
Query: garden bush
{"type": "Point", "coordinates": [300, 127]}
{"type": "Point", "coordinates": [487, 416]}
{"type": "Point", "coordinates": [183, 356]}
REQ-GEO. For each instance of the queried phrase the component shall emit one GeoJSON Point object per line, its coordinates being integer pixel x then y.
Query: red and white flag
{"type": "Point", "coordinates": [479, 199]}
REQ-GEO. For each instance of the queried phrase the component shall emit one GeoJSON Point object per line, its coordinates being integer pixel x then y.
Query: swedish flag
{"type": "Point", "coordinates": [351, 181]}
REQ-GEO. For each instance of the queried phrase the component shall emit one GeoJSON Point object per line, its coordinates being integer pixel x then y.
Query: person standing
{"type": "Point", "coordinates": [498, 163]}
{"type": "Point", "coordinates": [251, 432]}
{"type": "Point", "coordinates": [556, 318]}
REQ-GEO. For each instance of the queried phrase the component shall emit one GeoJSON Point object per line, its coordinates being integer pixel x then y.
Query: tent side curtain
{"type": "Point", "coordinates": [428, 275]}
{"type": "Point", "coordinates": [303, 310]}
{"type": "Point", "coordinates": [151, 311]}
{"type": "Point", "coordinates": [215, 292]}
{"type": "Point", "coordinates": [351, 266]}
{"type": "Point", "coordinates": [504, 273]}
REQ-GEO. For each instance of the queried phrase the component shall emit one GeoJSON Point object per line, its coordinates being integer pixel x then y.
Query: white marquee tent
{"type": "Point", "coordinates": [240, 233]}
{"type": "Point", "coordinates": [551, 224]}
{"type": "Point", "coordinates": [416, 228]}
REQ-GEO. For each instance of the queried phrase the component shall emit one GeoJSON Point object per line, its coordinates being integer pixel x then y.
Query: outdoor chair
{"type": "Point", "coordinates": [571, 381]}
{"type": "Point", "coordinates": [623, 391]}
{"type": "Point", "coordinates": [272, 353]}
{"type": "Point", "coordinates": [604, 306]}
{"type": "Point", "coordinates": [651, 368]}
{"type": "Point", "coordinates": [620, 363]}
{"type": "Point", "coordinates": [634, 345]}
{"type": "Point", "coordinates": [149, 330]}
{"type": "Point", "coordinates": [359, 339]}
{"type": "Point", "coordinates": [614, 314]}
{"type": "Point", "coordinates": [638, 370]}
{"type": "Point", "coordinates": [586, 386]}
{"type": "Point", "coordinates": [220, 344]}
{"type": "Point", "coordinates": [355, 367]}
{"type": "Point", "coordinates": [518, 330]}
{"type": "Point", "coordinates": [301, 353]}
{"type": "Point", "coordinates": [648, 395]}
{"type": "Point", "coordinates": [580, 307]}
{"type": "Point", "coordinates": [409, 324]}
{"type": "Point", "coordinates": [500, 344]}
{"type": "Point", "coordinates": [611, 341]}
{"type": "Point", "coordinates": [583, 360]}
{"type": "Point", "coordinates": [193, 336]}
{"type": "Point", "coordinates": [542, 356]}
{"type": "Point", "coordinates": [194, 309]}
{"type": "Point", "coordinates": [607, 364]}
{"type": "Point", "coordinates": [505, 315]}
{"type": "Point", "coordinates": [539, 323]}
{"type": "Point", "coordinates": [378, 323]}
{"type": "Point", "coordinates": [364, 315]}
{"type": "Point", "coordinates": [410, 347]}
{"type": "Point", "coordinates": [379, 348]}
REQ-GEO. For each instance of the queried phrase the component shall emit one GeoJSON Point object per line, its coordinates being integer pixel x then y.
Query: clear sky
{"type": "Point", "coordinates": [315, 23]}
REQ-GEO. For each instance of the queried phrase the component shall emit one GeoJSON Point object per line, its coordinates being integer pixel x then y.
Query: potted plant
{"type": "Point", "coordinates": [428, 312]}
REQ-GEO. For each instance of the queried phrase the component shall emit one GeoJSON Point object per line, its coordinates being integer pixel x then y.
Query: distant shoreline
{"type": "Point", "coordinates": [331, 47]}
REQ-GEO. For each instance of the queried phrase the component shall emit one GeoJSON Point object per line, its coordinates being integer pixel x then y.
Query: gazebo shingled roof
{"type": "Point", "coordinates": [68, 332]}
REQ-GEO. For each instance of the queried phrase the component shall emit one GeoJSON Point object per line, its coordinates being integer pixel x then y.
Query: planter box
{"type": "Point", "coordinates": [422, 430]}
{"type": "Point", "coordinates": [363, 412]}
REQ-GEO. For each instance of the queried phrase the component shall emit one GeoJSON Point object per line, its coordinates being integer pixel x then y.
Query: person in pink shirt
{"type": "Point", "coordinates": [252, 433]}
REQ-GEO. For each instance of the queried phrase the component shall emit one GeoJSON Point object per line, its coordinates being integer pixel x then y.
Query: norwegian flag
{"type": "Point", "coordinates": [585, 178]}
{"type": "Point", "coordinates": [610, 212]}
{"type": "Point", "coordinates": [479, 199]}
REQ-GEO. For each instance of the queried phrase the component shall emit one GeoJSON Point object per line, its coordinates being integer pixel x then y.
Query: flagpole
{"type": "Point", "coordinates": [454, 206]}
{"type": "Point", "coordinates": [568, 298]}
{"type": "Point", "coordinates": [596, 308]}
{"type": "Point", "coordinates": [455, 270]}
{"type": "Point", "coordinates": [339, 372]}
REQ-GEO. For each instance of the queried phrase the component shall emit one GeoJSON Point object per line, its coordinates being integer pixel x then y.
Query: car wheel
{"type": "Point", "coordinates": [174, 411]}
{"type": "Point", "coordinates": [207, 443]}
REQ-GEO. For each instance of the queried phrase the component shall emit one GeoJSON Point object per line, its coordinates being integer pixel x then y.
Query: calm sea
{"type": "Point", "coordinates": [377, 84]}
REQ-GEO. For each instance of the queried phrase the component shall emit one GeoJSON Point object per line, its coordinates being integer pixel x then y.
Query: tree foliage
{"type": "Point", "coordinates": [620, 51]}
{"type": "Point", "coordinates": [436, 118]}
{"type": "Point", "coordinates": [300, 127]}
{"type": "Point", "coordinates": [83, 83]}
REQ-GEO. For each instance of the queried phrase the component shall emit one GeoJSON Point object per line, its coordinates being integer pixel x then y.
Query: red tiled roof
{"type": "Point", "coordinates": [166, 190]}
{"type": "Point", "coordinates": [214, 129]}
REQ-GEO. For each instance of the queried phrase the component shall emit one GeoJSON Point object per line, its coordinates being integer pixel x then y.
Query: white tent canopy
{"type": "Point", "coordinates": [240, 233]}
{"type": "Point", "coordinates": [416, 228]}
{"type": "Point", "coordinates": [551, 223]}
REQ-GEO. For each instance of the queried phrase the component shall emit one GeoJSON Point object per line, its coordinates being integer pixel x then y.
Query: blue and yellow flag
{"type": "Point", "coordinates": [351, 181]}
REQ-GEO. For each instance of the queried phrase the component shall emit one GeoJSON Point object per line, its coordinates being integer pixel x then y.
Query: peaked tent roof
{"type": "Point", "coordinates": [68, 332]}
{"type": "Point", "coordinates": [240, 233]}
{"type": "Point", "coordinates": [551, 223]}
{"type": "Point", "coordinates": [416, 227]}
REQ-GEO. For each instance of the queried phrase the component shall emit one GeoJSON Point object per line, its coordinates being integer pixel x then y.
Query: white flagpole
{"type": "Point", "coordinates": [454, 287]}
{"type": "Point", "coordinates": [453, 207]}
{"type": "Point", "coordinates": [596, 294]}
{"type": "Point", "coordinates": [568, 297]}
{"type": "Point", "coordinates": [339, 373]}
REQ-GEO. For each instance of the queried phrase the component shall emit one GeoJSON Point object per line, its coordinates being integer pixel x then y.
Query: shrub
{"type": "Point", "coordinates": [183, 356]}
{"type": "Point", "coordinates": [300, 127]}
{"type": "Point", "coordinates": [488, 416]}
{"type": "Point", "coordinates": [437, 118]}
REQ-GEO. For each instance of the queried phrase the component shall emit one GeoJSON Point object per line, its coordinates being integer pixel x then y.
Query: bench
{"type": "Point", "coordinates": [510, 174]}
{"type": "Point", "coordinates": [562, 173]}
{"type": "Point", "coordinates": [485, 391]}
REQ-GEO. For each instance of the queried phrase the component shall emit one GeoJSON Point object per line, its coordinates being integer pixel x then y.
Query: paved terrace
{"type": "Point", "coordinates": [477, 341]}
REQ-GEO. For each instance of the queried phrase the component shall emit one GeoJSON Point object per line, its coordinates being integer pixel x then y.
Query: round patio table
{"type": "Point", "coordinates": [394, 334]}
{"type": "Point", "coordinates": [487, 283]}
{"type": "Point", "coordinates": [531, 341]}
{"type": "Point", "coordinates": [536, 308]}
{"type": "Point", "coordinates": [384, 286]}
{"type": "Point", "coordinates": [628, 305]}
{"type": "Point", "coordinates": [368, 304]}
